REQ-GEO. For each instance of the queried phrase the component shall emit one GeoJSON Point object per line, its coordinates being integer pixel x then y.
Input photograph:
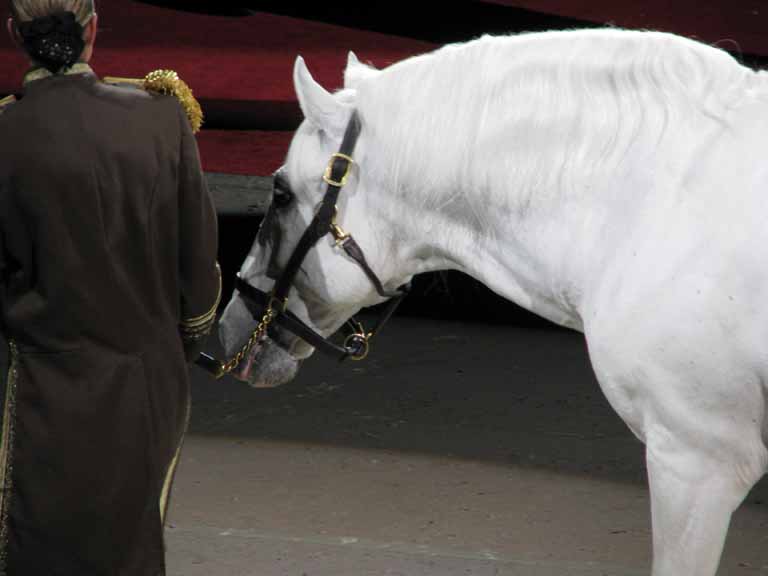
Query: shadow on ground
{"type": "Point", "coordinates": [499, 394]}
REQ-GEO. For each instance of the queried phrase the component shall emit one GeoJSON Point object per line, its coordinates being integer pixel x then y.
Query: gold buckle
{"type": "Point", "coordinates": [328, 169]}
{"type": "Point", "coordinates": [338, 233]}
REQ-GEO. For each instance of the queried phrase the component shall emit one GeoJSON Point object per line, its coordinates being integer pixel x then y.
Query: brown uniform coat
{"type": "Point", "coordinates": [107, 244]}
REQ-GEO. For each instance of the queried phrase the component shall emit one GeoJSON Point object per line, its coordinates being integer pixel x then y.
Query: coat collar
{"type": "Point", "coordinates": [41, 73]}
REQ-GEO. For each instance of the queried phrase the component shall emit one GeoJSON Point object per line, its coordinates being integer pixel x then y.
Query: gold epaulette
{"type": "Point", "coordinates": [7, 101]}
{"type": "Point", "coordinates": [167, 82]}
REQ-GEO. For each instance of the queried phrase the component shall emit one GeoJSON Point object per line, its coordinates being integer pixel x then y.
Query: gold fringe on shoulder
{"type": "Point", "coordinates": [168, 82]}
{"type": "Point", "coordinates": [7, 100]}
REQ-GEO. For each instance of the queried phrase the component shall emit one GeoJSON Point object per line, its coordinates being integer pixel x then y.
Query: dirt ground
{"type": "Point", "coordinates": [456, 449]}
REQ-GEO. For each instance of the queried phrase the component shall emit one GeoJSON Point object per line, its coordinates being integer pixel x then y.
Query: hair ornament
{"type": "Point", "coordinates": [55, 41]}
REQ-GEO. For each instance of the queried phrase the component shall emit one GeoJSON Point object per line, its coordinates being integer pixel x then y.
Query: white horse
{"type": "Point", "coordinates": [615, 182]}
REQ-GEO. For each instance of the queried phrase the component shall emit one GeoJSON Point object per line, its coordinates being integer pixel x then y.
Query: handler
{"type": "Point", "coordinates": [108, 277]}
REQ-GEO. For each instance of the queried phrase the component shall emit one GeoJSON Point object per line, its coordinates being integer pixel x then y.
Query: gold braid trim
{"type": "Point", "coordinates": [171, 471]}
{"type": "Point", "coordinates": [5, 103]}
{"type": "Point", "coordinates": [7, 437]}
{"type": "Point", "coordinates": [168, 82]}
{"type": "Point", "coordinates": [199, 326]}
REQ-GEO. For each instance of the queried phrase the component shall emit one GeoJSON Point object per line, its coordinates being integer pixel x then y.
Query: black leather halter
{"type": "Point", "coordinates": [356, 344]}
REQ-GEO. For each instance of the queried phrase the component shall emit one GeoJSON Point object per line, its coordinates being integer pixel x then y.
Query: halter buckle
{"type": "Point", "coordinates": [357, 346]}
{"type": "Point", "coordinates": [338, 233]}
{"type": "Point", "coordinates": [328, 175]}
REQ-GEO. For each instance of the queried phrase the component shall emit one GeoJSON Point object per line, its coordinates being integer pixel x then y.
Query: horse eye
{"type": "Point", "coordinates": [281, 192]}
{"type": "Point", "coordinates": [282, 198]}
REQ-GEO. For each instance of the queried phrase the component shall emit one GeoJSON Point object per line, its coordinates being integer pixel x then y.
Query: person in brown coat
{"type": "Point", "coordinates": [108, 285]}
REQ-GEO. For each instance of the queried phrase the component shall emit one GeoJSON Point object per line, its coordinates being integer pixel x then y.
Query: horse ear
{"type": "Point", "coordinates": [318, 105]}
{"type": "Point", "coordinates": [356, 72]}
{"type": "Point", "coordinates": [352, 59]}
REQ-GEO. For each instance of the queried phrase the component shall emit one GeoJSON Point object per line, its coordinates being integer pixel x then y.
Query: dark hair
{"type": "Point", "coordinates": [55, 41]}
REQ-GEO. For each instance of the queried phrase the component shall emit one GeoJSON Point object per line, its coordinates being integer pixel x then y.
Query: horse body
{"type": "Point", "coordinates": [611, 181]}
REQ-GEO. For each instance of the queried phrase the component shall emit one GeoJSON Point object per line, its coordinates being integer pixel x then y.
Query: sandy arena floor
{"type": "Point", "coordinates": [456, 449]}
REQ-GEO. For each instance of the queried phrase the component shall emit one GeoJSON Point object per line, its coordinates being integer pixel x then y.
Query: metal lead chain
{"type": "Point", "coordinates": [256, 335]}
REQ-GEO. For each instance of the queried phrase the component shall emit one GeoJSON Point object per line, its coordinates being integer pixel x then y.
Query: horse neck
{"type": "Point", "coordinates": [541, 237]}
{"type": "Point", "coordinates": [518, 228]}
{"type": "Point", "coordinates": [535, 258]}
{"type": "Point", "coordinates": [533, 222]}
{"type": "Point", "coordinates": [521, 189]}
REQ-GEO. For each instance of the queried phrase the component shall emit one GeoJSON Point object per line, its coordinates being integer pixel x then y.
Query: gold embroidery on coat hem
{"type": "Point", "coordinates": [6, 451]}
{"type": "Point", "coordinates": [170, 473]}
{"type": "Point", "coordinates": [167, 484]}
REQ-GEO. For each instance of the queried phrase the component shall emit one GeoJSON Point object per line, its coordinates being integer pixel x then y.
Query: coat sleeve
{"type": "Point", "coordinates": [199, 272]}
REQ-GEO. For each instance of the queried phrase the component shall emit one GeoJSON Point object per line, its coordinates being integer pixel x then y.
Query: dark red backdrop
{"type": "Point", "coordinates": [240, 67]}
{"type": "Point", "coordinates": [742, 21]}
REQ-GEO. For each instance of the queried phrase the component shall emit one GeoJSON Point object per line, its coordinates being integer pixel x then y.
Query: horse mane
{"type": "Point", "coordinates": [535, 109]}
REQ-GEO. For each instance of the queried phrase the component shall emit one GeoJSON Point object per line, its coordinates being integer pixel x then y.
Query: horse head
{"type": "Point", "coordinates": [334, 276]}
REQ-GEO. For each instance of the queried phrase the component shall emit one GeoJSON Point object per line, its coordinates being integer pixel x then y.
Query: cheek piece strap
{"type": "Point", "coordinates": [272, 308]}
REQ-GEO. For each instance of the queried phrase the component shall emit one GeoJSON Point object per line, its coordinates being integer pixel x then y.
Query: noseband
{"type": "Point", "coordinates": [275, 304]}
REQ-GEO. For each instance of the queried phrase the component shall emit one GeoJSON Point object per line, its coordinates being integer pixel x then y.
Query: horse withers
{"type": "Point", "coordinates": [612, 181]}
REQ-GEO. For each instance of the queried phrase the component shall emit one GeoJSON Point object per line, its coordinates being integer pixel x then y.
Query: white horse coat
{"type": "Point", "coordinates": [614, 182]}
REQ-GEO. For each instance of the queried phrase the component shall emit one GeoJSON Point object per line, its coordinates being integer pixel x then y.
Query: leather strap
{"type": "Point", "coordinates": [254, 297]}
{"type": "Point", "coordinates": [286, 319]}
{"type": "Point", "coordinates": [353, 250]}
{"type": "Point", "coordinates": [257, 300]}
{"type": "Point", "coordinates": [321, 223]}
